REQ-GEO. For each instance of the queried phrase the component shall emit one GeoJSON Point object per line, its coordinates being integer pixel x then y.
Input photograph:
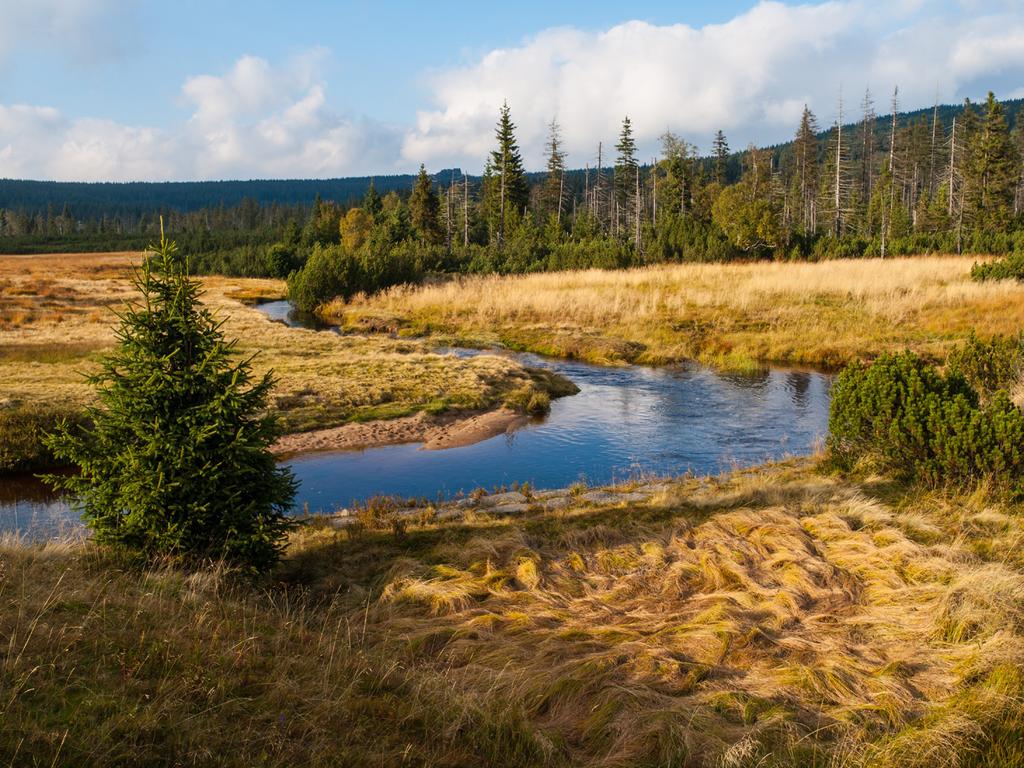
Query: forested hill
{"type": "Point", "coordinates": [86, 200]}
{"type": "Point", "coordinates": [96, 199]}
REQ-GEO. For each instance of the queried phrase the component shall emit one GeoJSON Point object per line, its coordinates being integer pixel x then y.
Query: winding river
{"type": "Point", "coordinates": [625, 422]}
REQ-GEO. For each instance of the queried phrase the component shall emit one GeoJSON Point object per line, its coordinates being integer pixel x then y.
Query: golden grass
{"type": "Point", "coordinates": [774, 617]}
{"type": "Point", "coordinates": [824, 314]}
{"type": "Point", "coordinates": [323, 379]}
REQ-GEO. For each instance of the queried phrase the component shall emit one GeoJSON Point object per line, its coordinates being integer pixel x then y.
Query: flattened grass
{"type": "Point", "coordinates": [774, 617]}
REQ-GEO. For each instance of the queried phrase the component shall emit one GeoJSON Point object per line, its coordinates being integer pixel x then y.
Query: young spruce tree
{"type": "Point", "coordinates": [176, 460]}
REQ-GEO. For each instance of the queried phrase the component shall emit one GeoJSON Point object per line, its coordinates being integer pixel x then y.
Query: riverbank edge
{"type": "Point", "coordinates": [595, 348]}
{"type": "Point", "coordinates": [455, 429]}
{"type": "Point", "coordinates": [434, 431]}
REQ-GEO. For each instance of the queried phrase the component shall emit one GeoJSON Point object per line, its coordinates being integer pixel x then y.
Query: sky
{"type": "Point", "coordinates": [121, 90]}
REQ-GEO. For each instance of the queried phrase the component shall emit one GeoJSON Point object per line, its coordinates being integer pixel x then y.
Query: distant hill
{"type": "Point", "coordinates": [94, 200]}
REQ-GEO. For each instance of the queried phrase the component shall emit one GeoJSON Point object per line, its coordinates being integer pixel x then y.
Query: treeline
{"type": "Point", "coordinates": [940, 180]}
{"type": "Point", "coordinates": [130, 200]}
{"type": "Point", "coordinates": [925, 187]}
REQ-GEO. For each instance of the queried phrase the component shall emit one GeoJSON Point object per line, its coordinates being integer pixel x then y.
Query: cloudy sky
{"type": "Point", "coordinates": [209, 89]}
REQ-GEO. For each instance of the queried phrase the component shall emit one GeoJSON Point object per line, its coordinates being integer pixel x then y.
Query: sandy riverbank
{"type": "Point", "coordinates": [449, 430]}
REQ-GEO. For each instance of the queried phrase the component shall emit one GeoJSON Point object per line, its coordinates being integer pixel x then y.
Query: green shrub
{"type": "Point", "coordinates": [329, 271]}
{"type": "Point", "coordinates": [22, 428]}
{"type": "Point", "coordinates": [989, 365]}
{"type": "Point", "coordinates": [176, 459]}
{"type": "Point", "coordinates": [281, 261]}
{"type": "Point", "coordinates": [1009, 267]}
{"type": "Point", "coordinates": [924, 426]}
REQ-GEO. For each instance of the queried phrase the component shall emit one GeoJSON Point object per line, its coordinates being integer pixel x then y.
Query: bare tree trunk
{"type": "Point", "coordinates": [501, 216]}
{"type": "Point", "coordinates": [892, 170]}
{"type": "Point", "coordinates": [465, 211]}
{"type": "Point", "coordinates": [654, 195]}
{"type": "Point", "coordinates": [586, 191]}
{"type": "Point", "coordinates": [448, 211]}
{"type": "Point", "coordinates": [892, 132]}
{"type": "Point", "coordinates": [952, 160]}
{"type": "Point", "coordinates": [931, 158]}
{"type": "Point", "coordinates": [638, 201]}
{"type": "Point", "coordinates": [561, 195]}
{"type": "Point", "coordinates": [838, 222]}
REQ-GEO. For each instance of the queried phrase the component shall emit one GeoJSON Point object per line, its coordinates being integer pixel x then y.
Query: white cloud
{"type": "Point", "coordinates": [254, 121]}
{"type": "Point", "coordinates": [749, 76]}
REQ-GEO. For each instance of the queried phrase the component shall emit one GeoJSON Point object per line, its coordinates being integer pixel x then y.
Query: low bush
{"type": "Point", "coordinates": [988, 365]}
{"type": "Point", "coordinates": [281, 260]}
{"type": "Point", "coordinates": [328, 273]}
{"type": "Point", "coordinates": [1009, 267]}
{"type": "Point", "coordinates": [926, 426]}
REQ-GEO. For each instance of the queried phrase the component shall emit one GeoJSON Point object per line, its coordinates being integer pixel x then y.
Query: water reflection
{"type": "Point", "coordinates": [32, 508]}
{"type": "Point", "coordinates": [285, 312]}
{"type": "Point", "coordinates": [623, 422]}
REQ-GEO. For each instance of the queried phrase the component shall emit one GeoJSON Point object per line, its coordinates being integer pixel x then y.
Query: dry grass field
{"type": "Point", "coordinates": [56, 315]}
{"type": "Point", "coordinates": [775, 617]}
{"type": "Point", "coordinates": [732, 315]}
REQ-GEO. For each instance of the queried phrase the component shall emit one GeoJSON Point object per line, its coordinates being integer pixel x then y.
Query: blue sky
{"type": "Point", "coordinates": [377, 50]}
{"type": "Point", "coordinates": [130, 89]}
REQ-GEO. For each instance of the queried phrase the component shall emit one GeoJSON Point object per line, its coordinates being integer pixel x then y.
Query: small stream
{"type": "Point", "coordinates": [625, 422]}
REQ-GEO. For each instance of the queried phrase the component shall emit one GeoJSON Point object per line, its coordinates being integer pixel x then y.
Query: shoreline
{"type": "Point", "coordinates": [435, 432]}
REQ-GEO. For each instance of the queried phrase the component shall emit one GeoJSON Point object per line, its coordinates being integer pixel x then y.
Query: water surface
{"type": "Point", "coordinates": [626, 421]}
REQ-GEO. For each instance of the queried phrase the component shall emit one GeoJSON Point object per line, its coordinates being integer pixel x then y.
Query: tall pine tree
{"type": "Point", "coordinates": [626, 176]}
{"type": "Point", "coordinates": [992, 170]}
{"type": "Point", "coordinates": [425, 209]}
{"type": "Point", "coordinates": [805, 170]}
{"type": "Point", "coordinates": [510, 191]}
{"type": "Point", "coordinates": [720, 153]}
{"type": "Point", "coordinates": [552, 196]}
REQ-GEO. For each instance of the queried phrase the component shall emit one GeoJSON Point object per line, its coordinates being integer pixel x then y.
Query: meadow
{"type": "Point", "coordinates": [772, 617]}
{"type": "Point", "coordinates": [57, 316]}
{"type": "Point", "coordinates": [737, 316]}
{"type": "Point", "coordinates": [778, 616]}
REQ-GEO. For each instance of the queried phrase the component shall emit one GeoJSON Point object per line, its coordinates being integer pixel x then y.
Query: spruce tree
{"type": "Point", "coordinates": [626, 170]}
{"type": "Point", "coordinates": [510, 187]}
{"type": "Point", "coordinates": [425, 209]}
{"type": "Point", "coordinates": [720, 153]}
{"type": "Point", "coordinates": [371, 200]}
{"type": "Point", "coordinates": [805, 172]}
{"type": "Point", "coordinates": [992, 169]}
{"type": "Point", "coordinates": [675, 188]}
{"type": "Point", "coordinates": [553, 191]}
{"type": "Point", "coordinates": [176, 460]}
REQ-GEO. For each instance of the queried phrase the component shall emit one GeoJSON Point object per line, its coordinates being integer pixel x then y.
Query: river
{"type": "Point", "coordinates": [625, 422]}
